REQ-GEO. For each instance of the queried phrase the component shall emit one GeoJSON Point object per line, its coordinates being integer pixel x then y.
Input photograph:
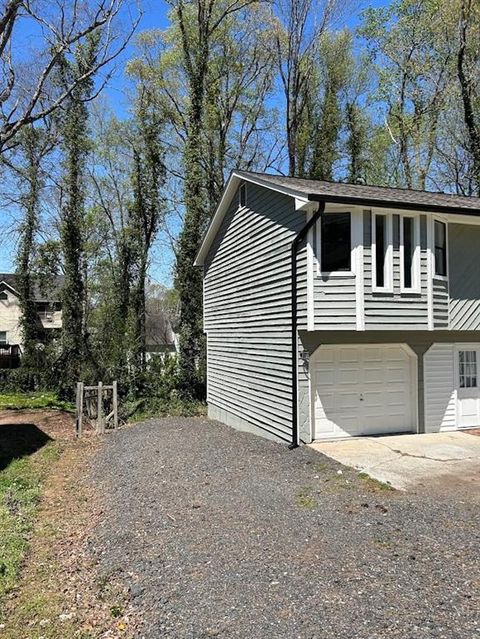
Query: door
{"type": "Point", "coordinates": [468, 393]}
{"type": "Point", "coordinates": [363, 390]}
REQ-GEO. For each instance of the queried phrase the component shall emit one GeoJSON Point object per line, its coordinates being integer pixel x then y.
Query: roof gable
{"type": "Point", "coordinates": [353, 194]}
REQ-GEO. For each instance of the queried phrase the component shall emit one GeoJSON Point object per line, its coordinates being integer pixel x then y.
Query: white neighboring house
{"type": "Point", "coordinates": [160, 321]}
{"type": "Point", "coordinates": [49, 317]}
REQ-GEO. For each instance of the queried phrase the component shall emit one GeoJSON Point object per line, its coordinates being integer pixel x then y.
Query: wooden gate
{"type": "Point", "coordinates": [93, 403]}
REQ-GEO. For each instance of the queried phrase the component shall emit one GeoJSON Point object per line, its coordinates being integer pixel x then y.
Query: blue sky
{"type": "Point", "coordinates": [154, 16]}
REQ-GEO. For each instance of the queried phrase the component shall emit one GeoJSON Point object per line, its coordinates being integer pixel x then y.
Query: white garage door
{"type": "Point", "coordinates": [363, 390]}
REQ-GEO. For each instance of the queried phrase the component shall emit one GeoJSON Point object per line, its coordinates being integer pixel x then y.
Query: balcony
{"type": "Point", "coordinates": [9, 355]}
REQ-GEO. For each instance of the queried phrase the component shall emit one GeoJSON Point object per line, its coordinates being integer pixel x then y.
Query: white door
{"type": "Point", "coordinates": [468, 392]}
{"type": "Point", "coordinates": [363, 390]}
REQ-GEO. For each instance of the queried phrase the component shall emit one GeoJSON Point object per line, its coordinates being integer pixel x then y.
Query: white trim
{"type": "Point", "coordinates": [430, 317]}
{"type": "Point", "coordinates": [310, 277]}
{"type": "Point", "coordinates": [416, 278]}
{"type": "Point", "coordinates": [388, 265]}
{"type": "Point", "coordinates": [358, 268]}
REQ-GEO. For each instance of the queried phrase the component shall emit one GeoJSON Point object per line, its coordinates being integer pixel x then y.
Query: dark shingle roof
{"type": "Point", "coordinates": [380, 195]}
{"type": "Point", "coordinates": [42, 294]}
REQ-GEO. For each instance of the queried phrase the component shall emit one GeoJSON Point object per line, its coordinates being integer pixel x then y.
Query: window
{"type": "Point", "coordinates": [3, 337]}
{"type": "Point", "coordinates": [467, 369]}
{"type": "Point", "coordinates": [242, 195]}
{"type": "Point", "coordinates": [382, 251]}
{"type": "Point", "coordinates": [410, 253]}
{"type": "Point", "coordinates": [3, 295]}
{"type": "Point", "coordinates": [440, 248]}
{"type": "Point", "coordinates": [335, 249]}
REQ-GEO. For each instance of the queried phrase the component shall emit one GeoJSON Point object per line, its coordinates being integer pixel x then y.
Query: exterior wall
{"type": "Point", "coordinates": [10, 315]}
{"type": "Point", "coordinates": [419, 341]}
{"type": "Point", "coordinates": [440, 401]}
{"type": "Point", "coordinates": [464, 276]}
{"type": "Point", "coordinates": [247, 288]}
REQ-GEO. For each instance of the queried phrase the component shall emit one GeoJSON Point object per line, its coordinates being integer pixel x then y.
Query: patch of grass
{"type": "Point", "coordinates": [142, 409]}
{"type": "Point", "coordinates": [38, 400]}
{"type": "Point", "coordinates": [305, 499]}
{"type": "Point", "coordinates": [20, 488]}
{"type": "Point", "coordinates": [374, 484]}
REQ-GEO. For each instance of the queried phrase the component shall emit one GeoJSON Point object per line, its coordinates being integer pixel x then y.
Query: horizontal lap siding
{"type": "Point", "coordinates": [334, 302]}
{"type": "Point", "coordinates": [464, 275]}
{"type": "Point", "coordinates": [395, 310]}
{"type": "Point", "coordinates": [247, 310]}
{"type": "Point", "coordinates": [440, 303]}
{"type": "Point", "coordinates": [439, 384]}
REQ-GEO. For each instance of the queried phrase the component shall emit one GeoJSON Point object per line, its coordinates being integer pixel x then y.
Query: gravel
{"type": "Point", "coordinates": [218, 533]}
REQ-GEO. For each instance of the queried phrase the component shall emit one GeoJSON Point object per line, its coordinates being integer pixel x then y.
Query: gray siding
{"type": "Point", "coordinates": [464, 276]}
{"type": "Point", "coordinates": [334, 302]}
{"type": "Point", "coordinates": [247, 291]}
{"type": "Point", "coordinates": [390, 311]}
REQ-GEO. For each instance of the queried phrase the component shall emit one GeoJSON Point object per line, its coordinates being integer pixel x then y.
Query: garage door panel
{"type": "Point", "coordinates": [362, 390]}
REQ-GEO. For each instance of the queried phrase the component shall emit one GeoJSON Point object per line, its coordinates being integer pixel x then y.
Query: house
{"type": "Point", "coordinates": [160, 321]}
{"type": "Point", "coordinates": [334, 310]}
{"type": "Point", "coordinates": [49, 317]}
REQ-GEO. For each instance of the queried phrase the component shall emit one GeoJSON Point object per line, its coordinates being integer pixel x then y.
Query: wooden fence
{"type": "Point", "coordinates": [92, 403]}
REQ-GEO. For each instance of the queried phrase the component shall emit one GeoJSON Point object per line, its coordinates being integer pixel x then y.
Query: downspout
{"type": "Point", "coordinates": [294, 250]}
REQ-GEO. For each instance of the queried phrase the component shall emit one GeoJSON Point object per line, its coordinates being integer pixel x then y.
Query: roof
{"type": "Point", "coordinates": [319, 189]}
{"type": "Point", "coordinates": [40, 294]}
{"type": "Point", "coordinates": [339, 192]}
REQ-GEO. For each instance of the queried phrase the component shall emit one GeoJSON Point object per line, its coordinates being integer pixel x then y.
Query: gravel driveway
{"type": "Point", "coordinates": [223, 534]}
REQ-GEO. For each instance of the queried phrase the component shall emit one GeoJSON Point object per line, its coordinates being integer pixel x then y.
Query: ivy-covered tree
{"type": "Point", "coordinates": [75, 147]}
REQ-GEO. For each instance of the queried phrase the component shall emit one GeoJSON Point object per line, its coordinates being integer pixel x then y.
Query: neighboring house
{"type": "Point", "coordinates": [49, 317]}
{"type": "Point", "coordinates": [385, 321]}
{"type": "Point", "coordinates": [160, 321]}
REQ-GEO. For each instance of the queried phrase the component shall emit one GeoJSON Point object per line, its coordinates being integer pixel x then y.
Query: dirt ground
{"type": "Point", "coordinates": [60, 594]}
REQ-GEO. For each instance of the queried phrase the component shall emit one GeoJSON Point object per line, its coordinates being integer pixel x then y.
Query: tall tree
{"type": "Point", "coordinates": [144, 219]}
{"type": "Point", "coordinates": [301, 24]}
{"type": "Point", "coordinates": [468, 68]}
{"type": "Point", "coordinates": [76, 145]}
{"type": "Point", "coordinates": [198, 23]}
{"type": "Point", "coordinates": [35, 144]}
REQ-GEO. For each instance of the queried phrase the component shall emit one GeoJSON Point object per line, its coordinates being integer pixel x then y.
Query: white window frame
{"type": "Point", "coordinates": [444, 220]}
{"type": "Point", "coordinates": [416, 281]}
{"type": "Point", "coordinates": [318, 252]}
{"type": "Point", "coordinates": [388, 266]}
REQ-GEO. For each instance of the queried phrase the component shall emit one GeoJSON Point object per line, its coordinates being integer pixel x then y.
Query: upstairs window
{"type": "Point", "coordinates": [382, 251]}
{"type": "Point", "coordinates": [3, 295]}
{"type": "Point", "coordinates": [242, 195]}
{"type": "Point", "coordinates": [440, 248]}
{"type": "Point", "coordinates": [336, 243]}
{"type": "Point", "coordinates": [410, 253]}
{"type": "Point", "coordinates": [3, 337]}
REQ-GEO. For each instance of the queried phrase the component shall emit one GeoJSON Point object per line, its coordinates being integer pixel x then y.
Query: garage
{"type": "Point", "coordinates": [363, 390]}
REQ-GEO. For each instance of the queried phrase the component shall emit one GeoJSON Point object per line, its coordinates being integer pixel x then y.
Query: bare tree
{"type": "Point", "coordinates": [468, 59]}
{"type": "Point", "coordinates": [27, 90]}
{"type": "Point", "coordinates": [301, 24]}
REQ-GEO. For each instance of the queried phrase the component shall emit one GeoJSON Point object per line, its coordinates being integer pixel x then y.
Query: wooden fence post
{"type": "Point", "coordinates": [115, 404]}
{"type": "Point", "coordinates": [100, 424]}
{"type": "Point", "coordinates": [79, 410]}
